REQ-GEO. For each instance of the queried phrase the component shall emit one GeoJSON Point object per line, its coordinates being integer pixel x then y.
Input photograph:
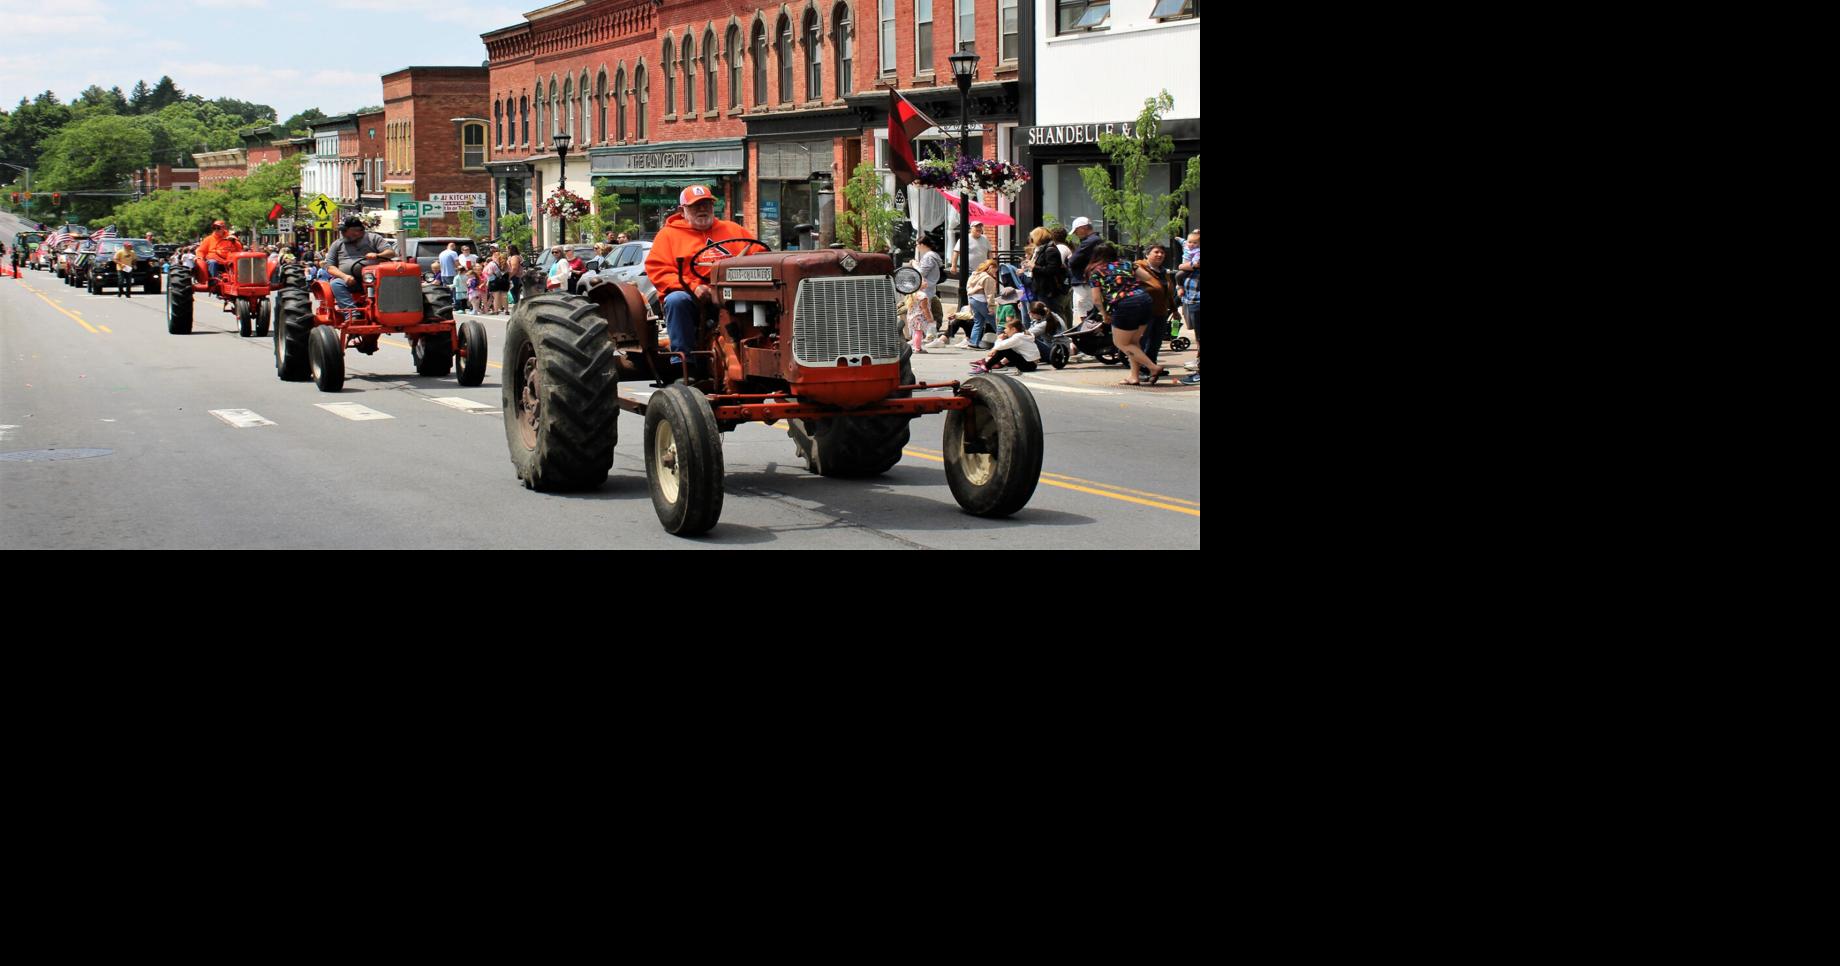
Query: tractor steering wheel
{"type": "Point", "coordinates": [697, 269]}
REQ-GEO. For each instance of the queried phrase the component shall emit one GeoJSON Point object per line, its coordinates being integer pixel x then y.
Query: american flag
{"type": "Point", "coordinates": [57, 238]}
{"type": "Point", "coordinates": [102, 233]}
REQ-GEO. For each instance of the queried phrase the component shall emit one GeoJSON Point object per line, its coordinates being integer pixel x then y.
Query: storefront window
{"type": "Point", "coordinates": [1064, 196]}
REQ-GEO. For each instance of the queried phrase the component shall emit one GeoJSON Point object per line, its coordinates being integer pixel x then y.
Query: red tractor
{"type": "Point", "coordinates": [242, 285]}
{"type": "Point", "coordinates": [310, 340]}
{"type": "Point", "coordinates": [813, 338]}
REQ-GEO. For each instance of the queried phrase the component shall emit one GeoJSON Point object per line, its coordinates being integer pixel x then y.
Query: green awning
{"type": "Point", "coordinates": [653, 181]}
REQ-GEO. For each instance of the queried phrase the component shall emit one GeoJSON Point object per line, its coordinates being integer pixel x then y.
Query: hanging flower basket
{"type": "Point", "coordinates": [566, 204]}
{"type": "Point", "coordinates": [974, 176]}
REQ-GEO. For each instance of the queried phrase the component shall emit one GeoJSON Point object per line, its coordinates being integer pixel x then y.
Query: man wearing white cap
{"type": "Point", "coordinates": [1076, 267]}
{"type": "Point", "coordinates": [684, 235]}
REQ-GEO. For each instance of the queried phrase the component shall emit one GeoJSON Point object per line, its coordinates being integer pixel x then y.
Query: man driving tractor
{"type": "Point", "coordinates": [355, 243]}
{"type": "Point", "coordinates": [218, 247]}
{"type": "Point", "coordinates": [684, 234]}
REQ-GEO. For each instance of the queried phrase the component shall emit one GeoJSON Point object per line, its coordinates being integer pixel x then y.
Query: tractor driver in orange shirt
{"type": "Point", "coordinates": [684, 234]}
{"type": "Point", "coordinates": [218, 247]}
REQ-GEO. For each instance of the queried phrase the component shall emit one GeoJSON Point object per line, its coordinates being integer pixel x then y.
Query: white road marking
{"type": "Point", "coordinates": [5, 432]}
{"type": "Point", "coordinates": [1074, 389]}
{"type": "Point", "coordinates": [353, 411]}
{"type": "Point", "coordinates": [464, 405]}
{"type": "Point", "coordinates": [241, 418]}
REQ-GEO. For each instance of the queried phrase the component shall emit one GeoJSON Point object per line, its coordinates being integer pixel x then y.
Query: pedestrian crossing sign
{"type": "Point", "coordinates": [325, 212]}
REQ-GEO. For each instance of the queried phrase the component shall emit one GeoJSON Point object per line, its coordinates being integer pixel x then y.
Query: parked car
{"type": "Point", "coordinates": [100, 277]}
{"type": "Point", "coordinates": [427, 251]}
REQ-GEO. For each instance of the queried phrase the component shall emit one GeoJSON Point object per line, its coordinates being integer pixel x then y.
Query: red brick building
{"type": "Point", "coordinates": [771, 105]}
{"type": "Point", "coordinates": [165, 177]}
{"type": "Point", "coordinates": [216, 167]}
{"type": "Point", "coordinates": [434, 138]}
{"type": "Point", "coordinates": [362, 150]}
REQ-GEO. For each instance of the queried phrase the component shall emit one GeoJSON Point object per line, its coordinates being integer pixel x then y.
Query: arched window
{"type": "Point", "coordinates": [670, 79]}
{"type": "Point", "coordinates": [845, 50]}
{"type": "Point", "coordinates": [600, 104]}
{"type": "Point", "coordinates": [473, 146]}
{"type": "Point", "coordinates": [498, 123]}
{"type": "Point", "coordinates": [689, 62]}
{"type": "Point", "coordinates": [814, 78]}
{"type": "Point", "coordinates": [645, 100]}
{"type": "Point", "coordinates": [760, 65]}
{"type": "Point", "coordinates": [568, 108]}
{"type": "Point", "coordinates": [734, 67]}
{"type": "Point", "coordinates": [524, 116]}
{"type": "Point", "coordinates": [555, 105]}
{"type": "Point", "coordinates": [536, 98]}
{"type": "Point", "coordinates": [709, 71]}
{"type": "Point", "coordinates": [619, 104]}
{"type": "Point", "coordinates": [587, 102]}
{"type": "Point", "coordinates": [784, 48]}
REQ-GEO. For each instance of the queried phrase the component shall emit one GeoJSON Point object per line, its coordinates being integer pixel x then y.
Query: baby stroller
{"type": "Point", "coordinates": [1095, 339]}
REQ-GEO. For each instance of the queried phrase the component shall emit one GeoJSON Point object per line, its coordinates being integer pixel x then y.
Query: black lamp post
{"type": "Point", "coordinates": [357, 180]}
{"type": "Point", "coordinates": [964, 68]}
{"type": "Point", "coordinates": [562, 156]}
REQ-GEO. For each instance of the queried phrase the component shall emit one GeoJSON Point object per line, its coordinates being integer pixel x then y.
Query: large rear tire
{"type": "Point", "coordinates": [560, 410]}
{"type": "Point", "coordinates": [437, 304]}
{"type": "Point", "coordinates": [683, 459]}
{"type": "Point", "coordinates": [326, 358]}
{"type": "Point", "coordinates": [433, 354]}
{"type": "Point", "coordinates": [992, 472]}
{"type": "Point", "coordinates": [179, 309]}
{"type": "Point", "coordinates": [854, 446]}
{"type": "Point", "coordinates": [292, 326]}
{"type": "Point", "coordinates": [472, 363]}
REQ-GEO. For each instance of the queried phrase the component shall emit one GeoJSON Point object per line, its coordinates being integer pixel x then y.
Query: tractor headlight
{"type": "Point", "coordinates": [370, 279]}
{"type": "Point", "coordinates": [906, 281]}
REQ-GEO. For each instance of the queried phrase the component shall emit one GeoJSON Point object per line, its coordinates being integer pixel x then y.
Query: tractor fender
{"type": "Point", "coordinates": [623, 308]}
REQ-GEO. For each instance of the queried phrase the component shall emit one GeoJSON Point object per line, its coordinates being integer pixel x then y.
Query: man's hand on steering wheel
{"type": "Point", "coordinates": [696, 269]}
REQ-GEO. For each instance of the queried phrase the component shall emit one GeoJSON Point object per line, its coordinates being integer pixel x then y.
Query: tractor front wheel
{"type": "Point", "coordinates": [261, 318]}
{"type": "Point", "coordinates": [152, 287]}
{"type": "Point", "coordinates": [683, 459]}
{"type": "Point", "coordinates": [993, 449]}
{"type": "Point", "coordinates": [472, 363]}
{"type": "Point", "coordinates": [243, 309]}
{"type": "Point", "coordinates": [326, 358]}
{"type": "Point", "coordinates": [294, 323]}
{"type": "Point", "coordinates": [560, 410]}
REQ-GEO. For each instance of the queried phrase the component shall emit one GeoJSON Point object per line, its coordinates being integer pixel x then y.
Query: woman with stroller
{"type": "Point", "coordinates": [1120, 289]}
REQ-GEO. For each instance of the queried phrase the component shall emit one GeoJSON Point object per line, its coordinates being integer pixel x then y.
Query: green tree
{"type": "Point", "coordinates": [468, 226]}
{"type": "Point", "coordinates": [515, 230]}
{"type": "Point", "coordinates": [298, 123]}
{"type": "Point", "coordinates": [23, 136]}
{"type": "Point", "coordinates": [164, 93]}
{"type": "Point", "coordinates": [137, 99]}
{"type": "Point", "coordinates": [870, 217]}
{"type": "Point", "coordinates": [98, 153]}
{"type": "Point", "coordinates": [1140, 218]}
{"type": "Point", "coordinates": [243, 111]}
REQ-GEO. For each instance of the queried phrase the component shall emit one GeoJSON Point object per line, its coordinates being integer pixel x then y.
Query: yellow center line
{"type": "Point", "coordinates": [105, 328]}
{"type": "Point", "coordinates": [1082, 489]}
{"type": "Point", "coordinates": [64, 310]}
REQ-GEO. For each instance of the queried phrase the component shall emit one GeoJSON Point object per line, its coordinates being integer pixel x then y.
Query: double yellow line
{"type": "Point", "coordinates": [73, 316]}
{"type": "Point", "coordinates": [1125, 494]}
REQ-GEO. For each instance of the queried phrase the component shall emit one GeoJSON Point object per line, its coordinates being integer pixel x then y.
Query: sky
{"type": "Point", "coordinates": [333, 59]}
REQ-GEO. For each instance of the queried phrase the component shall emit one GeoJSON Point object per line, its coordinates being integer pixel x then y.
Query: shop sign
{"type": "Point", "coordinates": [1077, 133]}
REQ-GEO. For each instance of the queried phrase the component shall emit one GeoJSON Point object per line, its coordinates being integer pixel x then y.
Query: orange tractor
{"type": "Point", "coordinates": [310, 340]}
{"type": "Point", "coordinates": [812, 338]}
{"type": "Point", "coordinates": [242, 285]}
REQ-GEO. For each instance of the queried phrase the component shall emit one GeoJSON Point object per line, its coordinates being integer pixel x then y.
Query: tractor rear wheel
{"type": "Point", "coordinates": [993, 449]}
{"type": "Point", "coordinates": [243, 311]}
{"type": "Point", "coordinates": [846, 446]}
{"type": "Point", "coordinates": [434, 355]}
{"type": "Point", "coordinates": [152, 287]}
{"type": "Point", "coordinates": [437, 304]}
{"type": "Point", "coordinates": [683, 459]}
{"type": "Point", "coordinates": [179, 309]}
{"type": "Point", "coordinates": [472, 365]}
{"type": "Point", "coordinates": [293, 323]}
{"type": "Point", "coordinates": [326, 358]}
{"type": "Point", "coordinates": [560, 410]}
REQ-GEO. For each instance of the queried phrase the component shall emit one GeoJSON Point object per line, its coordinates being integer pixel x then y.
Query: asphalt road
{"type": "Point", "coordinates": [428, 468]}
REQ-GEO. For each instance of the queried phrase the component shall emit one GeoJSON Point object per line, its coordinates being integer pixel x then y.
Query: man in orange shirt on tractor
{"type": "Point", "coordinates": [685, 234]}
{"type": "Point", "coordinates": [218, 247]}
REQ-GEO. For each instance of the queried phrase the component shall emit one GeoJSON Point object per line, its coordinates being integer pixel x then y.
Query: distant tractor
{"type": "Point", "coordinates": [310, 338]}
{"type": "Point", "coordinates": [242, 285]}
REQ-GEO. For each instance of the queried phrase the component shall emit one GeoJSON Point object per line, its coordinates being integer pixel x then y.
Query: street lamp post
{"type": "Point", "coordinates": [297, 217]}
{"type": "Point", "coordinates": [357, 180]}
{"type": "Point", "coordinates": [964, 68]}
{"type": "Point", "coordinates": [562, 156]}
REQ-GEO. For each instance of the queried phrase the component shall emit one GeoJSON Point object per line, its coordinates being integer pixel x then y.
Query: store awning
{"type": "Point", "coordinates": [653, 181]}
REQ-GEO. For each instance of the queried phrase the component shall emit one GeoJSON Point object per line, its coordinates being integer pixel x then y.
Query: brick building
{"type": "Point", "coordinates": [216, 167]}
{"type": "Point", "coordinates": [165, 177]}
{"type": "Point", "coordinates": [770, 105]}
{"type": "Point", "coordinates": [433, 138]}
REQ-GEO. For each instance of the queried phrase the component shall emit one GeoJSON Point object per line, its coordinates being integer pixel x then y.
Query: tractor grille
{"type": "Point", "coordinates": [851, 317]}
{"type": "Point", "coordinates": [251, 271]}
{"type": "Point", "coordinates": [399, 293]}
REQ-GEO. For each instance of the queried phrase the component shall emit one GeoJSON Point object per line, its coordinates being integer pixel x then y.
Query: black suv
{"type": "Point", "coordinates": [98, 271]}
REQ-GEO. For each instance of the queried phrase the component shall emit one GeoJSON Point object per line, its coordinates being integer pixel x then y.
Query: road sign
{"type": "Point", "coordinates": [410, 213]}
{"type": "Point", "coordinates": [480, 215]}
{"type": "Point", "coordinates": [284, 225]}
{"type": "Point", "coordinates": [325, 212]}
{"type": "Point", "coordinates": [459, 202]}
{"type": "Point", "coordinates": [432, 209]}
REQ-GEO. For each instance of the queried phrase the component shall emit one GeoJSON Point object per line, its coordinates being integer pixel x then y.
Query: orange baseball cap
{"type": "Point", "coordinates": [694, 194]}
{"type": "Point", "coordinates": [219, 224]}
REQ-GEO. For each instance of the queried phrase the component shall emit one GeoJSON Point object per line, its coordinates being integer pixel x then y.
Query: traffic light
{"type": "Point", "coordinates": [15, 197]}
{"type": "Point", "coordinates": [57, 197]}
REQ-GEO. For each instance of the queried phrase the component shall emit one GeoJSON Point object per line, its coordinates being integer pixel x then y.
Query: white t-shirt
{"type": "Point", "coordinates": [1023, 343]}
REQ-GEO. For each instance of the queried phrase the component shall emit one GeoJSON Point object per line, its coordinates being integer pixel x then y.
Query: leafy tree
{"type": "Point", "coordinates": [243, 111]}
{"type": "Point", "coordinates": [98, 153]}
{"type": "Point", "coordinates": [137, 101]}
{"type": "Point", "coordinates": [1140, 218]}
{"type": "Point", "coordinates": [29, 126]}
{"type": "Point", "coordinates": [870, 217]}
{"type": "Point", "coordinates": [515, 230]}
{"type": "Point", "coordinates": [298, 123]}
{"type": "Point", "coordinates": [164, 93]}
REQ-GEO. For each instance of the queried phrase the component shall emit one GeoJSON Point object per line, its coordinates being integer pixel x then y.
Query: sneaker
{"type": "Point", "coordinates": [1193, 365]}
{"type": "Point", "coordinates": [963, 344]}
{"type": "Point", "coordinates": [1194, 380]}
{"type": "Point", "coordinates": [937, 343]}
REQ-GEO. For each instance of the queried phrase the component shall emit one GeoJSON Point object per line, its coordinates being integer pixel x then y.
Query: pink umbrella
{"type": "Point", "coordinates": [980, 215]}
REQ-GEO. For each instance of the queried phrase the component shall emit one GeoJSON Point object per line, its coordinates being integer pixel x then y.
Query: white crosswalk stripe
{"type": "Point", "coordinates": [353, 411]}
{"type": "Point", "coordinates": [241, 418]}
{"type": "Point", "coordinates": [464, 405]}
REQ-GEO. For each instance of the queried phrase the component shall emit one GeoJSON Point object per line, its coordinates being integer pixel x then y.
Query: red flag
{"type": "Point", "coordinates": [905, 122]}
{"type": "Point", "coordinates": [274, 212]}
